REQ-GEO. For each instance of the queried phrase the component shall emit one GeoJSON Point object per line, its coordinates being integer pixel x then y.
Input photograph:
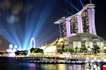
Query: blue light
{"type": "Point", "coordinates": [7, 35]}
{"type": "Point", "coordinates": [12, 19]}
{"type": "Point", "coordinates": [34, 24]}
{"type": "Point", "coordinates": [81, 3]}
{"type": "Point", "coordinates": [34, 20]}
{"type": "Point", "coordinates": [72, 5]}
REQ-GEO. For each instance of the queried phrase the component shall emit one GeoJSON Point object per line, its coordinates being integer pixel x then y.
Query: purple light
{"type": "Point", "coordinates": [92, 66]}
{"type": "Point", "coordinates": [91, 20]}
{"type": "Point", "coordinates": [11, 52]}
{"type": "Point", "coordinates": [68, 28]}
{"type": "Point", "coordinates": [80, 28]}
{"type": "Point", "coordinates": [75, 67]}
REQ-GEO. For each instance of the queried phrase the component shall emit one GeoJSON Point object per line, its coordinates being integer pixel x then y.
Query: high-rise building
{"type": "Point", "coordinates": [81, 22]}
{"type": "Point", "coordinates": [80, 30]}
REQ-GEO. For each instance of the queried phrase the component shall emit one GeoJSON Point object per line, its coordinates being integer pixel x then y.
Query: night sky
{"type": "Point", "coordinates": [22, 19]}
{"type": "Point", "coordinates": [101, 18]}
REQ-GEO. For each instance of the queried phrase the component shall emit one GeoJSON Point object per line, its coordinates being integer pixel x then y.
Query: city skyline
{"type": "Point", "coordinates": [29, 19]}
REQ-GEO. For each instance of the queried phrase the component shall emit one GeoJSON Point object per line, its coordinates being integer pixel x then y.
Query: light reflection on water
{"type": "Point", "coordinates": [34, 66]}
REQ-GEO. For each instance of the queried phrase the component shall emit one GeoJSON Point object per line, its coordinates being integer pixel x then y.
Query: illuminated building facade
{"type": "Point", "coordinates": [80, 28]}
{"type": "Point", "coordinates": [81, 22]}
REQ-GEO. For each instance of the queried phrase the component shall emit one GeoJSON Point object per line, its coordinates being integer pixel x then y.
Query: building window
{"type": "Point", "coordinates": [85, 21]}
{"type": "Point", "coordinates": [74, 25]}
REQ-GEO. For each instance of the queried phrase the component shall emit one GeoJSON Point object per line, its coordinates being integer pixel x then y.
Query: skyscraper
{"type": "Point", "coordinates": [80, 28]}
{"type": "Point", "coordinates": [81, 22]}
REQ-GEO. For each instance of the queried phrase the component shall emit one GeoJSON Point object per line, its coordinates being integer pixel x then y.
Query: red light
{"type": "Point", "coordinates": [104, 67]}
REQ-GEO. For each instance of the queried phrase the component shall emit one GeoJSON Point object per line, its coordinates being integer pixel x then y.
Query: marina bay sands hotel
{"type": "Point", "coordinates": [81, 22]}
{"type": "Point", "coordinates": [79, 29]}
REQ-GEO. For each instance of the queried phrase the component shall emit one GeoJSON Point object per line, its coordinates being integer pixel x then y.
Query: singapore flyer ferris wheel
{"type": "Point", "coordinates": [32, 43]}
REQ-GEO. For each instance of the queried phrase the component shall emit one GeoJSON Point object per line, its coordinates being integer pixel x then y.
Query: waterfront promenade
{"type": "Point", "coordinates": [57, 58]}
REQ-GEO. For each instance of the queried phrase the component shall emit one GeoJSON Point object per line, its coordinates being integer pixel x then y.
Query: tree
{"type": "Point", "coordinates": [96, 49]}
{"type": "Point", "coordinates": [76, 49]}
{"type": "Point", "coordinates": [32, 50]}
{"type": "Point", "coordinates": [22, 52]}
{"type": "Point", "coordinates": [39, 50]}
{"type": "Point", "coordinates": [71, 50]}
{"type": "Point", "coordinates": [36, 50]}
{"type": "Point", "coordinates": [83, 49]}
{"type": "Point", "coordinates": [65, 50]}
